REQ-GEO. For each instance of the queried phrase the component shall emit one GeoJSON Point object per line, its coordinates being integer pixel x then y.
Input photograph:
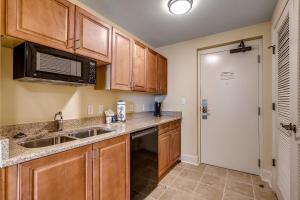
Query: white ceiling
{"type": "Point", "coordinates": [151, 21]}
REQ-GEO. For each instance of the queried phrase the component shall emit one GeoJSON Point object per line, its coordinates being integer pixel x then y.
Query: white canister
{"type": "Point", "coordinates": [121, 111]}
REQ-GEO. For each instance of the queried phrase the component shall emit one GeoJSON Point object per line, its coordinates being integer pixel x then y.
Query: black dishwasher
{"type": "Point", "coordinates": [144, 163]}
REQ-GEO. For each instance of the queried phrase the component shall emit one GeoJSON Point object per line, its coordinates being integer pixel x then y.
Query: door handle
{"type": "Point", "coordinates": [204, 109]}
{"type": "Point", "coordinates": [289, 127]}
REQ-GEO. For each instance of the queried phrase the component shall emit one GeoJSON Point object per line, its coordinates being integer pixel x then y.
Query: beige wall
{"type": "Point", "coordinates": [182, 82]}
{"type": "Point", "coordinates": [23, 102]}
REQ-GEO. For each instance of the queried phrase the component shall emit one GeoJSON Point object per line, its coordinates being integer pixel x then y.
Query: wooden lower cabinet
{"type": "Point", "coordinates": [164, 142]}
{"type": "Point", "coordinates": [175, 145]}
{"type": "Point", "coordinates": [99, 171]}
{"type": "Point", "coordinates": [112, 169]}
{"type": "Point", "coordinates": [62, 176]}
{"type": "Point", "coordinates": [169, 146]}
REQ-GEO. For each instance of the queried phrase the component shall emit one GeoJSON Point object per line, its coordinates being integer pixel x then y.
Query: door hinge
{"type": "Point", "coordinates": [258, 58]}
{"type": "Point", "coordinates": [274, 106]}
{"type": "Point", "coordinates": [274, 162]}
{"type": "Point", "coordinates": [259, 111]}
{"type": "Point", "coordinates": [259, 163]}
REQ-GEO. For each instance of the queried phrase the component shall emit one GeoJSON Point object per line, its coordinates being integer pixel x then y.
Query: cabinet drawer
{"type": "Point", "coordinates": [174, 125]}
{"type": "Point", "coordinates": [164, 128]}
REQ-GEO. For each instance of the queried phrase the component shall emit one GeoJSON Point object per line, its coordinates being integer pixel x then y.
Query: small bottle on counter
{"type": "Point", "coordinates": [121, 111]}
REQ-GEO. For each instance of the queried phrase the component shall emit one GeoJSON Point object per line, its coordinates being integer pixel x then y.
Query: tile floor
{"type": "Point", "coordinates": [205, 182]}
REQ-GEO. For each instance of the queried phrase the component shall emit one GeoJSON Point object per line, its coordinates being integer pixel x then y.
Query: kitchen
{"type": "Point", "coordinates": [96, 105]}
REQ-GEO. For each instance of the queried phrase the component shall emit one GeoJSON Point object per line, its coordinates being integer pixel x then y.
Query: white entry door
{"type": "Point", "coordinates": [230, 95]}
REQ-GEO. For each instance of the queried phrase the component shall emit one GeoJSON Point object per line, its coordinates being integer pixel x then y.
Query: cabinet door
{"type": "Point", "coordinates": [62, 176]}
{"type": "Point", "coordinates": [93, 36]}
{"type": "Point", "coordinates": [162, 75]}
{"type": "Point", "coordinates": [164, 142]}
{"type": "Point", "coordinates": [121, 61]}
{"type": "Point", "coordinates": [151, 71]}
{"type": "Point", "coordinates": [175, 145]}
{"type": "Point", "coordinates": [139, 66]}
{"type": "Point", "coordinates": [112, 169]}
{"type": "Point", "coordinates": [47, 22]}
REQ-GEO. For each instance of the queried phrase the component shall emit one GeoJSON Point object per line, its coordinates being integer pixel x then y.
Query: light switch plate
{"type": "Point", "coordinates": [100, 109]}
{"type": "Point", "coordinates": [183, 101]}
{"type": "Point", "coordinates": [90, 110]}
{"type": "Point", "coordinates": [143, 108]}
{"type": "Point", "coordinates": [131, 108]}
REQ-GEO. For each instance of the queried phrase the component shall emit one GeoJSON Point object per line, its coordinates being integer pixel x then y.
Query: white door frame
{"type": "Point", "coordinates": [260, 70]}
{"type": "Point", "coordinates": [274, 96]}
{"type": "Point", "coordinates": [291, 9]}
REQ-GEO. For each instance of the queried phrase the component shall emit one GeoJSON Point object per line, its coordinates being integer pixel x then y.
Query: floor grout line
{"type": "Point", "coordinates": [226, 178]}
{"type": "Point", "coordinates": [169, 185]}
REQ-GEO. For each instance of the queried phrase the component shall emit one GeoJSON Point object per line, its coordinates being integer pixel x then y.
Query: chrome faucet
{"type": "Point", "coordinates": [59, 121]}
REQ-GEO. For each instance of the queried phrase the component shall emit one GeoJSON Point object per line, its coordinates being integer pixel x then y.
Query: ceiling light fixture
{"type": "Point", "coordinates": [180, 7]}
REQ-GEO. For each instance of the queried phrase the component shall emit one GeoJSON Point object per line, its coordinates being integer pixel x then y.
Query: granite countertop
{"type": "Point", "coordinates": [18, 154]}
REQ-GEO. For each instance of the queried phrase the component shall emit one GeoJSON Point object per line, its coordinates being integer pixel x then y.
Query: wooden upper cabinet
{"type": "Point", "coordinates": [62, 176]}
{"type": "Point", "coordinates": [151, 71]}
{"type": "Point", "coordinates": [112, 169]}
{"type": "Point", "coordinates": [121, 61]}
{"type": "Point", "coordinates": [139, 66]}
{"type": "Point", "coordinates": [92, 36]}
{"type": "Point", "coordinates": [162, 75]}
{"type": "Point", "coordinates": [47, 22]}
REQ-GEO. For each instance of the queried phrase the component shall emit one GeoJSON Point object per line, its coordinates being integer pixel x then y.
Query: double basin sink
{"type": "Point", "coordinates": [80, 134]}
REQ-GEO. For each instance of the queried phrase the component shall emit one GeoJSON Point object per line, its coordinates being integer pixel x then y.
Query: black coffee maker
{"type": "Point", "coordinates": [157, 109]}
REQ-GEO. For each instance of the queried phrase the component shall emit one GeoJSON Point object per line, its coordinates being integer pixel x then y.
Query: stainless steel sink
{"type": "Point", "coordinates": [89, 132]}
{"type": "Point", "coordinates": [46, 142]}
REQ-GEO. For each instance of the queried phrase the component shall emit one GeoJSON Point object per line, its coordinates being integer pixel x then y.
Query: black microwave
{"type": "Point", "coordinates": [34, 62]}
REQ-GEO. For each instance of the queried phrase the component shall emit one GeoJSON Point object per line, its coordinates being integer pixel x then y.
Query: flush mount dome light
{"type": "Point", "coordinates": [180, 7]}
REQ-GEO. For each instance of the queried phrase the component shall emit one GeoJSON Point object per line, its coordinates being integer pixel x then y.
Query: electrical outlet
{"type": "Point", "coordinates": [90, 110]}
{"type": "Point", "coordinates": [143, 108]}
{"type": "Point", "coordinates": [131, 108]}
{"type": "Point", "coordinates": [183, 101]}
{"type": "Point", "coordinates": [100, 109]}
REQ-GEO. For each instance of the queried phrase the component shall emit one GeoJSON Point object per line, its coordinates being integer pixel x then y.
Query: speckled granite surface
{"type": "Point", "coordinates": [18, 154]}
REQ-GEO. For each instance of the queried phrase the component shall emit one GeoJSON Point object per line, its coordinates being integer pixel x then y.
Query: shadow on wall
{"type": "Point", "coordinates": [25, 102]}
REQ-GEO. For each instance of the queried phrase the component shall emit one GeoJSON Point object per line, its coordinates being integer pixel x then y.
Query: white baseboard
{"type": "Point", "coordinates": [190, 159]}
{"type": "Point", "coordinates": [266, 176]}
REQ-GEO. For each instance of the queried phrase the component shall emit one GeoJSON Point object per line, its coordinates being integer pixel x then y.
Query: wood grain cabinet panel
{"type": "Point", "coordinates": [151, 71]}
{"type": "Point", "coordinates": [164, 142]}
{"type": "Point", "coordinates": [62, 176]}
{"type": "Point", "coordinates": [175, 145]}
{"type": "Point", "coordinates": [169, 146]}
{"type": "Point", "coordinates": [121, 61]}
{"type": "Point", "coordinates": [47, 22]}
{"type": "Point", "coordinates": [162, 68]}
{"type": "Point", "coordinates": [139, 66]}
{"type": "Point", "coordinates": [112, 169]}
{"type": "Point", "coordinates": [92, 36]}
